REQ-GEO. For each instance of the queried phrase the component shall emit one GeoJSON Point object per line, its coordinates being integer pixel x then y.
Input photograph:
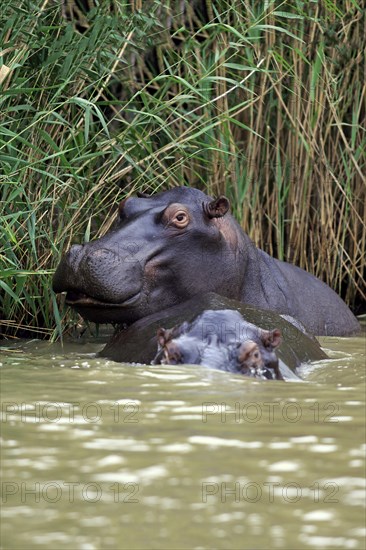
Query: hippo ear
{"type": "Point", "coordinates": [217, 208]}
{"type": "Point", "coordinates": [142, 195]}
{"type": "Point", "coordinates": [164, 335]}
{"type": "Point", "coordinates": [271, 338]}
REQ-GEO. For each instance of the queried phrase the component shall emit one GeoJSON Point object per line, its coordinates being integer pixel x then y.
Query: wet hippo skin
{"type": "Point", "coordinates": [138, 343]}
{"type": "Point", "coordinates": [223, 340]}
{"type": "Point", "coordinates": [172, 246]}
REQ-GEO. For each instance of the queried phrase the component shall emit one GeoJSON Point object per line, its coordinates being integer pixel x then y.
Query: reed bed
{"type": "Point", "coordinates": [264, 102]}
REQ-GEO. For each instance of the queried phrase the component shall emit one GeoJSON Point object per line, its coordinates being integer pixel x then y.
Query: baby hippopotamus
{"type": "Point", "coordinates": [222, 340]}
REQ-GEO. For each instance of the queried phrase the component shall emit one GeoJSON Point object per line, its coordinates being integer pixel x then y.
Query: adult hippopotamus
{"type": "Point", "coordinates": [169, 247]}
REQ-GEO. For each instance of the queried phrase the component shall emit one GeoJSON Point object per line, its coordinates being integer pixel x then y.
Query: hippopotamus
{"type": "Point", "coordinates": [169, 247]}
{"type": "Point", "coordinates": [216, 333]}
{"type": "Point", "coordinates": [223, 340]}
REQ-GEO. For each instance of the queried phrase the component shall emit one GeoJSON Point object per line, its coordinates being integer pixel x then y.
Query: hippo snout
{"type": "Point", "coordinates": [97, 272]}
{"type": "Point", "coordinates": [64, 277]}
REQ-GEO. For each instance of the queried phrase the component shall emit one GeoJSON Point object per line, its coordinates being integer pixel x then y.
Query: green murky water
{"type": "Point", "coordinates": [99, 455]}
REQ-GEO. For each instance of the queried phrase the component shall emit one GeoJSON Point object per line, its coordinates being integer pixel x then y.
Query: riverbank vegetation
{"type": "Point", "coordinates": [264, 102]}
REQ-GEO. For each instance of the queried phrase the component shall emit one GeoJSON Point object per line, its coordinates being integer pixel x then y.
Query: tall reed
{"type": "Point", "coordinates": [263, 102]}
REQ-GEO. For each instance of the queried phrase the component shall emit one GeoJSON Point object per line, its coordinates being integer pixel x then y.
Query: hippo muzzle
{"type": "Point", "coordinates": [91, 276]}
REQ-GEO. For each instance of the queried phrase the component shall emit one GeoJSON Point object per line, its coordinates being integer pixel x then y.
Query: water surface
{"type": "Point", "coordinates": [99, 455]}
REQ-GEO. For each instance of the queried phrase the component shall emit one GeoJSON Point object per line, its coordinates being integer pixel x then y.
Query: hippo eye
{"type": "Point", "coordinates": [180, 219]}
{"type": "Point", "coordinates": [176, 215]}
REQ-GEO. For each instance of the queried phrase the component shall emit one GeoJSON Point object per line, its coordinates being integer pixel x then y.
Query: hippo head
{"type": "Point", "coordinates": [177, 348]}
{"type": "Point", "coordinates": [162, 250]}
{"type": "Point", "coordinates": [258, 359]}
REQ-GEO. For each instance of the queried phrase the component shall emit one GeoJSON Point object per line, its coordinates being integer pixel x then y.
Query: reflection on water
{"type": "Point", "coordinates": [99, 455]}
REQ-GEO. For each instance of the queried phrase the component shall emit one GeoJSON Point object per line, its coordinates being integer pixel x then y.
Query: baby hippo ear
{"type": "Point", "coordinates": [217, 208]}
{"type": "Point", "coordinates": [164, 335]}
{"type": "Point", "coordinates": [271, 338]}
{"type": "Point", "coordinates": [161, 337]}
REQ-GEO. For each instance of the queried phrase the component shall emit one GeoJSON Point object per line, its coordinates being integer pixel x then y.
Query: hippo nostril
{"type": "Point", "coordinates": [101, 261]}
{"type": "Point", "coordinates": [75, 249]}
